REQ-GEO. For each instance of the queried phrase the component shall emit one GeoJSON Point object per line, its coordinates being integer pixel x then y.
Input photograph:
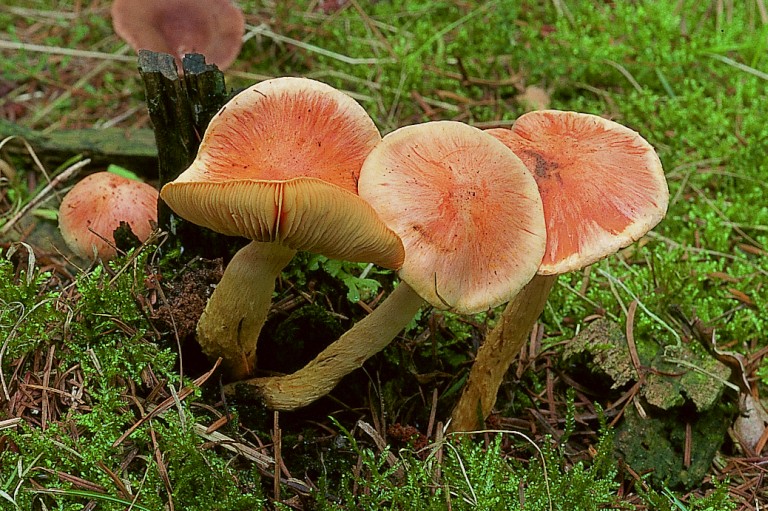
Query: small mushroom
{"type": "Point", "coordinates": [470, 217]}
{"type": "Point", "coordinates": [279, 165]}
{"type": "Point", "coordinates": [603, 187]}
{"type": "Point", "coordinates": [213, 28]}
{"type": "Point", "coordinates": [94, 208]}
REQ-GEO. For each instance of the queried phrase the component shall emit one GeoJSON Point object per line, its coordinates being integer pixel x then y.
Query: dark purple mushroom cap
{"type": "Point", "coordinates": [213, 28]}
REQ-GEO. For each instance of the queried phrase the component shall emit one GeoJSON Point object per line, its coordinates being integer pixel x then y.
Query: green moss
{"type": "Point", "coordinates": [655, 445]}
{"type": "Point", "coordinates": [471, 476]}
{"type": "Point", "coordinates": [26, 309]}
{"type": "Point", "coordinates": [100, 337]}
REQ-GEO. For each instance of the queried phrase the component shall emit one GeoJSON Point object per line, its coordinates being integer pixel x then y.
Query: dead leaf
{"type": "Point", "coordinates": [720, 275]}
{"type": "Point", "coordinates": [534, 98]}
{"type": "Point", "coordinates": [742, 297]}
{"type": "Point", "coordinates": [750, 425]}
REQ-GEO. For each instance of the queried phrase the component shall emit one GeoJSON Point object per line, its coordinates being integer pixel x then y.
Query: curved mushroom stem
{"type": "Point", "coordinates": [369, 336]}
{"type": "Point", "coordinates": [230, 325]}
{"type": "Point", "coordinates": [497, 352]}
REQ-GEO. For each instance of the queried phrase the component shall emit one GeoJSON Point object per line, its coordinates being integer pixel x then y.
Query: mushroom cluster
{"type": "Point", "coordinates": [603, 187]}
{"type": "Point", "coordinates": [433, 185]}
{"type": "Point", "coordinates": [279, 165]}
{"type": "Point", "coordinates": [470, 219]}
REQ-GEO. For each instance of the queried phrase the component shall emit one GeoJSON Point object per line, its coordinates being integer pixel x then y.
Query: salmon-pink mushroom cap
{"type": "Point", "coordinates": [92, 210]}
{"type": "Point", "coordinates": [471, 221]}
{"type": "Point", "coordinates": [603, 187]}
{"type": "Point", "coordinates": [279, 165]}
{"type": "Point", "coordinates": [213, 28]}
{"type": "Point", "coordinates": [601, 183]}
{"type": "Point", "coordinates": [467, 210]}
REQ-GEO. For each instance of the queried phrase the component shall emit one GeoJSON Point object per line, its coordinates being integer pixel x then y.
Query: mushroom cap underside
{"type": "Point", "coordinates": [467, 210]}
{"type": "Point", "coordinates": [301, 213]}
{"type": "Point", "coordinates": [602, 185]}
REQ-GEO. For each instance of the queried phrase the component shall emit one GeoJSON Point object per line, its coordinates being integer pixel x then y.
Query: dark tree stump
{"type": "Point", "coordinates": [180, 108]}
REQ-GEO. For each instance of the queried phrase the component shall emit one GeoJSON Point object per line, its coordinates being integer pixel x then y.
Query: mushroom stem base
{"type": "Point", "coordinates": [497, 352]}
{"type": "Point", "coordinates": [230, 325]}
{"type": "Point", "coordinates": [369, 336]}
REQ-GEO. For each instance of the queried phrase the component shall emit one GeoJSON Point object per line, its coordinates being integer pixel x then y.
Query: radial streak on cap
{"type": "Point", "coordinates": [285, 128]}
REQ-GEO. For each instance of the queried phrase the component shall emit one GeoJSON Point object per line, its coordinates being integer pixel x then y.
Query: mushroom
{"type": "Point", "coordinates": [92, 210]}
{"type": "Point", "coordinates": [470, 217]}
{"type": "Point", "coordinates": [603, 187]}
{"type": "Point", "coordinates": [278, 164]}
{"type": "Point", "coordinates": [214, 28]}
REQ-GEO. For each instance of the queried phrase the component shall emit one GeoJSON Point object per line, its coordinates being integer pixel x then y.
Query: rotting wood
{"type": "Point", "coordinates": [132, 149]}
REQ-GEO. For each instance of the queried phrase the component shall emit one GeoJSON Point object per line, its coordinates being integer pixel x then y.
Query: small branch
{"type": "Point", "coordinates": [134, 149]}
{"type": "Point", "coordinates": [180, 108]}
{"type": "Point", "coordinates": [40, 197]}
{"type": "Point", "coordinates": [69, 52]}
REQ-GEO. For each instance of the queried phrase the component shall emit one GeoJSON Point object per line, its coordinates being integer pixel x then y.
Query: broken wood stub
{"type": "Point", "coordinates": [180, 108]}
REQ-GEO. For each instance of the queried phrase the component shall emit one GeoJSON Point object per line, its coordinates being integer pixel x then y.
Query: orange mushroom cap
{"type": "Point", "coordinates": [466, 208]}
{"type": "Point", "coordinates": [280, 163]}
{"type": "Point", "coordinates": [601, 183]}
{"type": "Point", "coordinates": [213, 28]}
{"type": "Point", "coordinates": [94, 208]}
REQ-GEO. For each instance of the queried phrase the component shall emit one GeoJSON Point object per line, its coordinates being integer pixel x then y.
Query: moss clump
{"type": "Point", "coordinates": [471, 476]}
{"type": "Point", "coordinates": [655, 445]}
{"type": "Point", "coordinates": [81, 367]}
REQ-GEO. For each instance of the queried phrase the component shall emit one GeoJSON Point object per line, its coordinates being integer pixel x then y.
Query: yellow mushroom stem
{"type": "Point", "coordinates": [497, 352]}
{"type": "Point", "coordinates": [369, 336]}
{"type": "Point", "coordinates": [230, 325]}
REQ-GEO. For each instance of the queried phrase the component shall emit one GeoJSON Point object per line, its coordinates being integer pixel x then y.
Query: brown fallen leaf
{"type": "Point", "coordinates": [719, 275]}
{"type": "Point", "coordinates": [751, 424]}
{"type": "Point", "coordinates": [742, 297]}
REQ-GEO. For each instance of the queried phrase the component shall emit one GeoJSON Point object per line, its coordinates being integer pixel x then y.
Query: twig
{"type": "Point", "coordinates": [432, 413]}
{"type": "Point", "coordinates": [86, 78]}
{"type": "Point", "coordinates": [631, 341]}
{"type": "Point", "coordinates": [263, 30]}
{"type": "Point", "coordinates": [40, 197]}
{"type": "Point", "coordinates": [739, 66]}
{"type": "Point", "coordinates": [70, 52]}
{"type": "Point", "coordinates": [161, 468]}
{"type": "Point", "coordinates": [277, 448]}
{"type": "Point", "coordinates": [228, 443]}
{"type": "Point", "coordinates": [167, 403]}
{"type": "Point", "coordinates": [10, 423]}
{"type": "Point", "coordinates": [645, 309]}
{"type": "Point", "coordinates": [621, 69]}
